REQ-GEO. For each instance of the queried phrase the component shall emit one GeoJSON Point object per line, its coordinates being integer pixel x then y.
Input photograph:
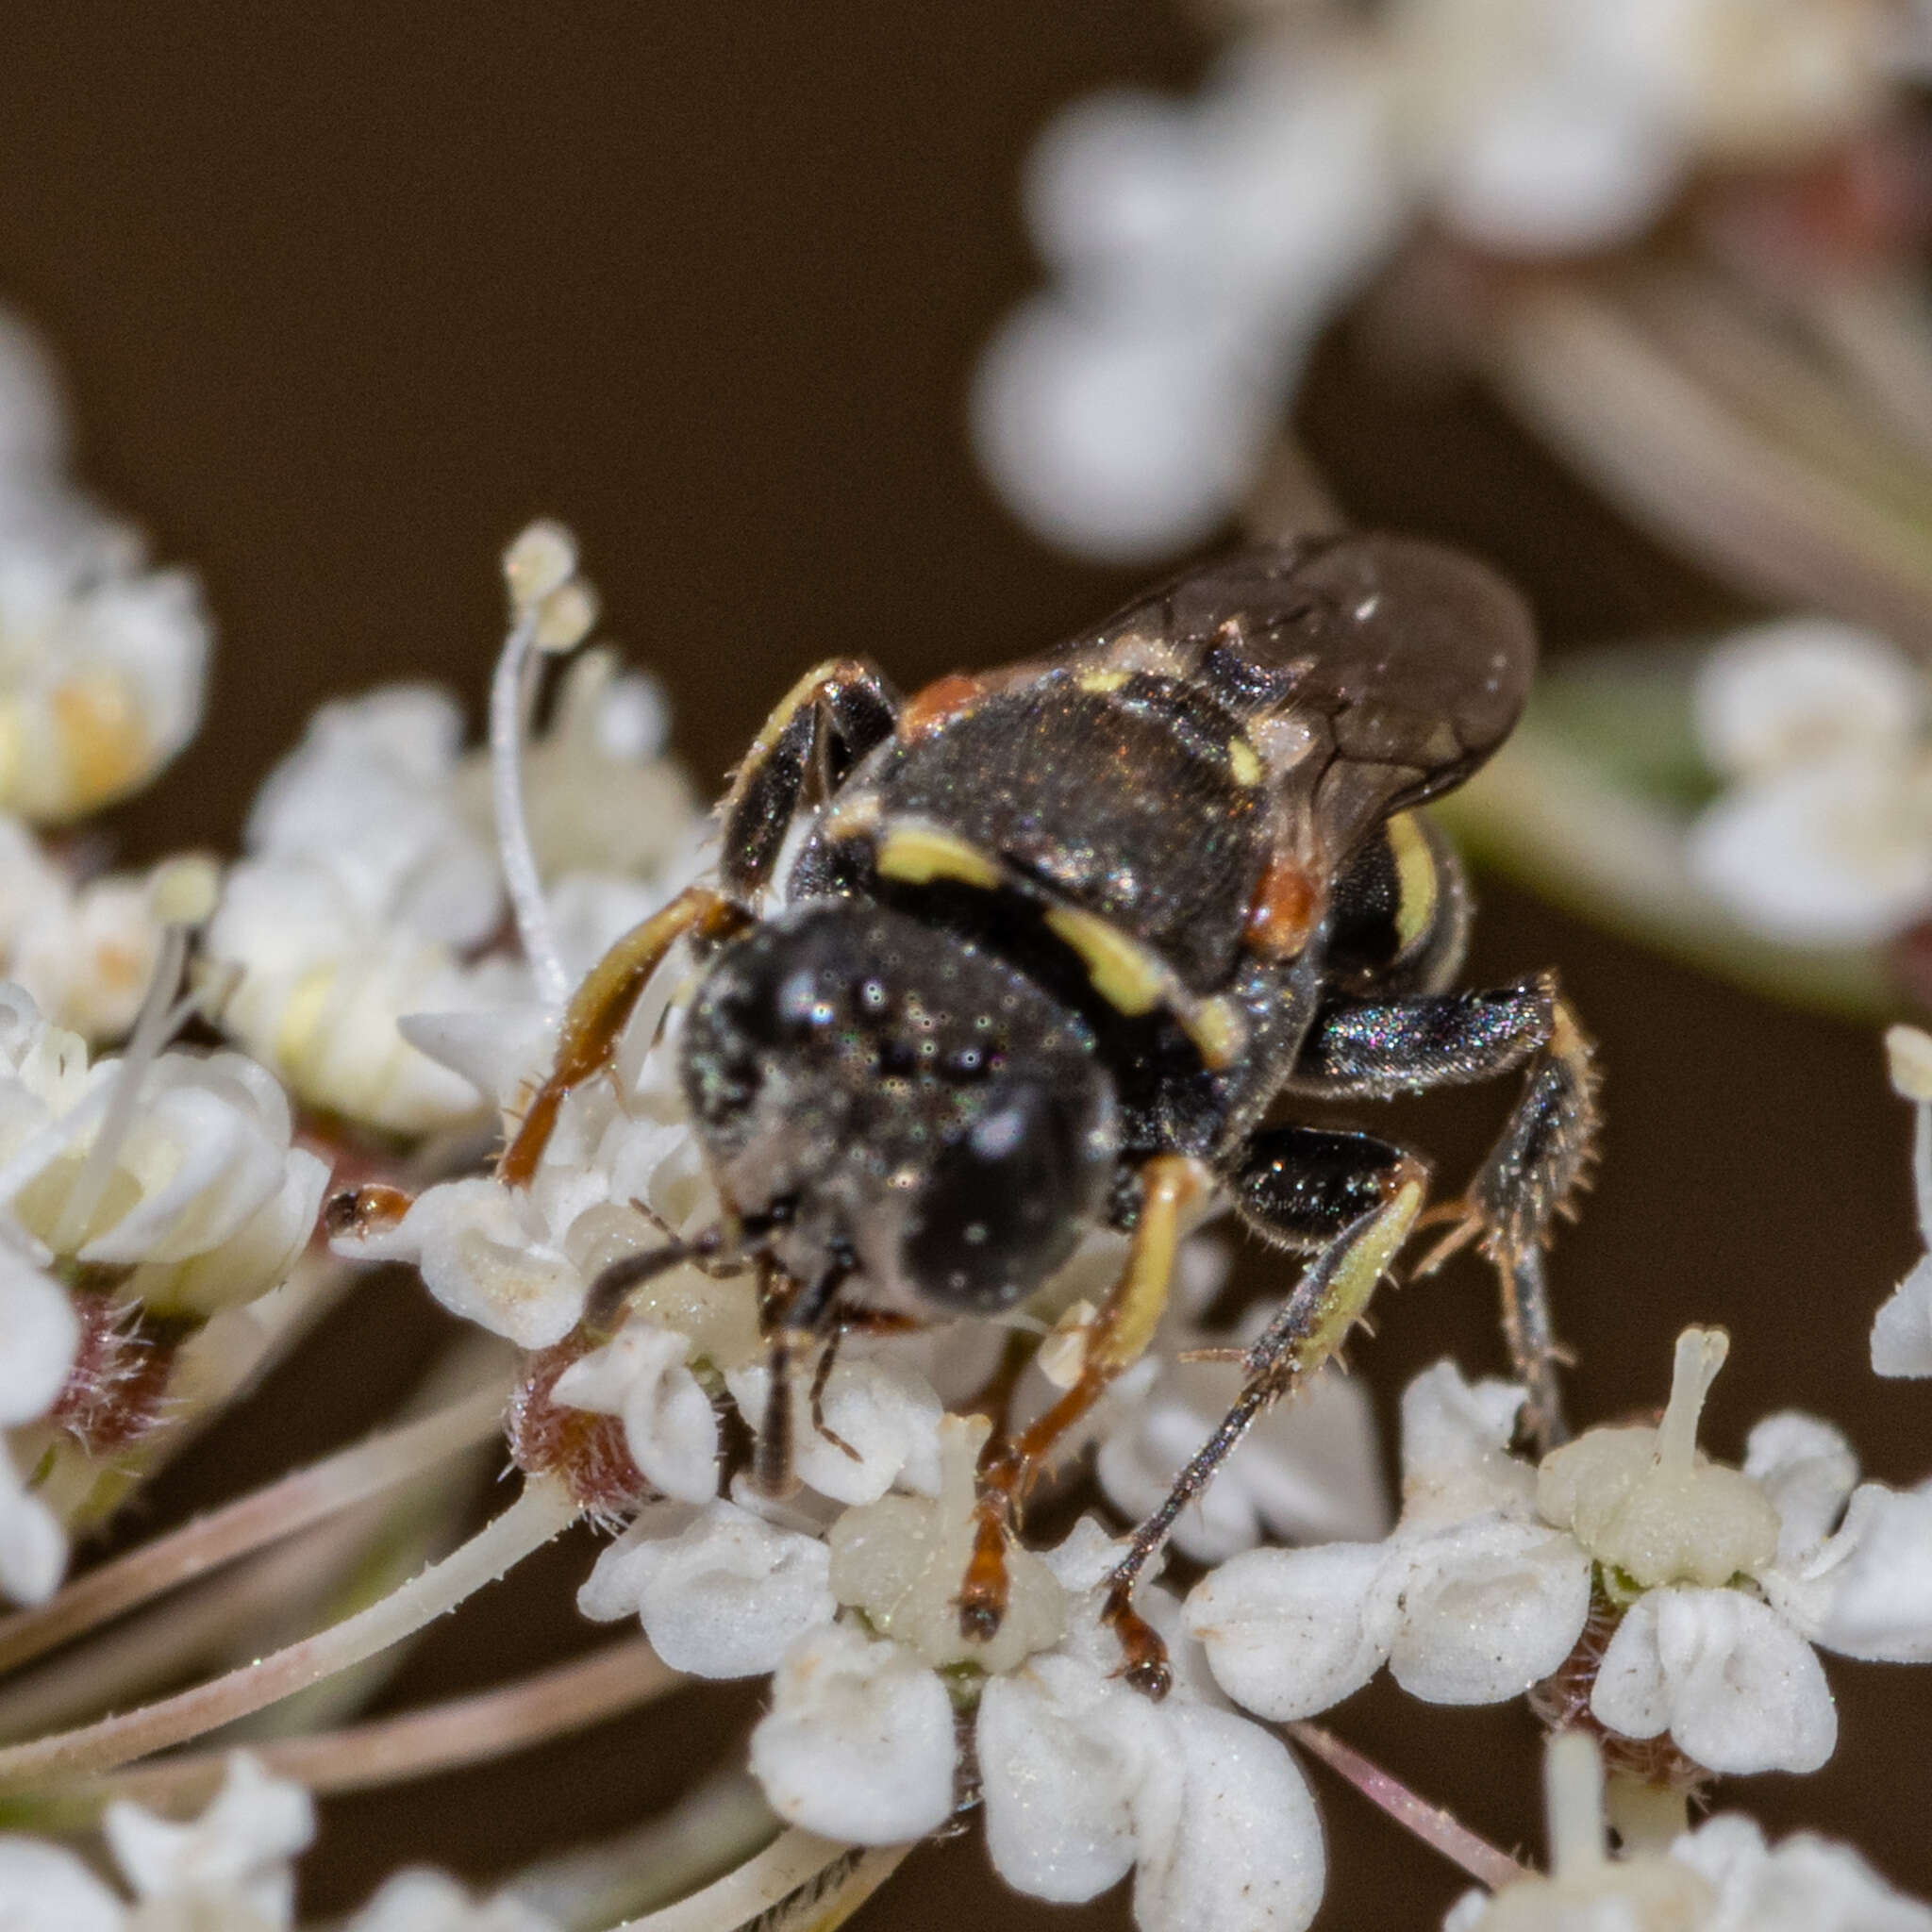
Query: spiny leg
{"type": "Point", "coordinates": [835, 713]}
{"type": "Point", "coordinates": [1171, 1184]}
{"type": "Point", "coordinates": [1375, 1049]}
{"type": "Point", "coordinates": [600, 1008]}
{"type": "Point", "coordinates": [1290, 1182]}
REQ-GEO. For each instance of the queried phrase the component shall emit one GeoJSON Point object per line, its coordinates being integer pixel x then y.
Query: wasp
{"type": "Point", "coordinates": [1058, 945]}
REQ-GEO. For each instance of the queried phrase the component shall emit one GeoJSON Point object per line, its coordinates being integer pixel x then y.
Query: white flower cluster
{"type": "Point", "coordinates": [1823, 833]}
{"type": "Point", "coordinates": [847, 1596]}
{"type": "Point", "coordinates": [101, 660]}
{"type": "Point", "coordinates": [1200, 248]}
{"type": "Point", "coordinates": [370, 888]}
{"type": "Point", "coordinates": [101, 668]}
{"type": "Point", "coordinates": [166, 1188]}
{"type": "Point", "coordinates": [1709, 1584]}
{"type": "Point", "coordinates": [1721, 1877]}
{"type": "Point", "coordinates": [228, 1870]}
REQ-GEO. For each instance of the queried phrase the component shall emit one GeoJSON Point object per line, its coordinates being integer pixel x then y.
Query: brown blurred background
{"type": "Point", "coordinates": [346, 294]}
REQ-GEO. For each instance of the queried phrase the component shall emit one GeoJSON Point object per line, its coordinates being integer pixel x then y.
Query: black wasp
{"type": "Point", "coordinates": [1060, 939]}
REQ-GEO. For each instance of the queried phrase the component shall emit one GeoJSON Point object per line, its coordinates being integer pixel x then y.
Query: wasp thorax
{"type": "Point", "coordinates": [899, 1099]}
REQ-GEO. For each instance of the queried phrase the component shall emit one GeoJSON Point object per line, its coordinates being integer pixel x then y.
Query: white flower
{"type": "Point", "coordinates": [228, 1870]}
{"type": "Point", "coordinates": [371, 883]}
{"type": "Point", "coordinates": [1471, 1600]}
{"type": "Point", "coordinates": [858, 1743]}
{"type": "Point", "coordinates": [1721, 1580]}
{"type": "Point", "coordinates": [720, 1593]}
{"type": "Point", "coordinates": [1200, 248]}
{"type": "Point", "coordinates": [421, 1900]}
{"type": "Point", "coordinates": [1308, 1471]}
{"type": "Point", "coordinates": [882, 1411]}
{"type": "Point", "coordinates": [1084, 1779]}
{"type": "Point", "coordinates": [643, 1376]}
{"type": "Point", "coordinates": [180, 1172]}
{"type": "Point", "coordinates": [84, 951]}
{"type": "Point", "coordinates": [37, 1338]}
{"type": "Point", "coordinates": [1721, 1877]}
{"type": "Point", "coordinates": [1825, 836]}
{"type": "Point", "coordinates": [1902, 1331]}
{"type": "Point", "coordinates": [101, 660]}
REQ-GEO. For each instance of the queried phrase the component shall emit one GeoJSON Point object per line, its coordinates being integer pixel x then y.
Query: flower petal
{"type": "Point", "coordinates": [1880, 1605]}
{"type": "Point", "coordinates": [1456, 1460]}
{"type": "Point", "coordinates": [725, 1595]}
{"type": "Point", "coordinates": [1807, 1469]}
{"type": "Point", "coordinates": [1289, 1632]}
{"type": "Point", "coordinates": [39, 1334]}
{"type": "Point", "coordinates": [884, 1410]}
{"type": "Point", "coordinates": [670, 1426]}
{"type": "Point", "coordinates": [858, 1743]}
{"type": "Point", "coordinates": [1229, 1839]}
{"type": "Point", "coordinates": [1902, 1329]}
{"type": "Point", "coordinates": [1486, 1609]}
{"type": "Point", "coordinates": [1061, 1749]}
{"type": "Point", "coordinates": [1736, 1687]}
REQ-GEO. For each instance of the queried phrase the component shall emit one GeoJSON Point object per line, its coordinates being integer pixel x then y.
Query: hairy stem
{"type": "Point", "coordinates": [267, 1516]}
{"type": "Point", "coordinates": [1430, 1823]}
{"type": "Point", "coordinates": [799, 1883]}
{"type": "Point", "coordinates": [539, 1514]}
{"type": "Point", "coordinates": [416, 1743]}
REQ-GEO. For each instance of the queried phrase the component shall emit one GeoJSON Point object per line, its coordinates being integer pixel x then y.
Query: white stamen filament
{"type": "Point", "coordinates": [509, 706]}
{"type": "Point", "coordinates": [1574, 1799]}
{"type": "Point", "coordinates": [1700, 1354]}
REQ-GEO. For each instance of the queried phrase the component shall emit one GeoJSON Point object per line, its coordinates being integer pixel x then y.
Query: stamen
{"type": "Point", "coordinates": [1700, 1354]}
{"type": "Point", "coordinates": [1573, 1797]}
{"type": "Point", "coordinates": [552, 609]}
{"type": "Point", "coordinates": [183, 895]}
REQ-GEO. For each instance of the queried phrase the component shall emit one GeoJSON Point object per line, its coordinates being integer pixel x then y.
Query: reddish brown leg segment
{"type": "Point", "coordinates": [1170, 1184]}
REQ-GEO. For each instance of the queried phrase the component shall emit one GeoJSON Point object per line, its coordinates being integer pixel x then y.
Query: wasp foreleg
{"type": "Point", "coordinates": [1171, 1184]}
{"type": "Point", "coordinates": [827, 722]}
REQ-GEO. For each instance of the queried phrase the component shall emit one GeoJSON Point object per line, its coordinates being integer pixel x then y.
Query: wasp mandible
{"type": "Point", "coordinates": [1062, 939]}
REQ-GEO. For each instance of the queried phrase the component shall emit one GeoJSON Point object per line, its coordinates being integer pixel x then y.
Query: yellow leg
{"type": "Point", "coordinates": [600, 1009]}
{"type": "Point", "coordinates": [1170, 1183]}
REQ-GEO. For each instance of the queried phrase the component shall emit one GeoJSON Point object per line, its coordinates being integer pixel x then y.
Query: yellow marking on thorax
{"type": "Point", "coordinates": [1102, 681]}
{"type": "Point", "coordinates": [1124, 973]}
{"type": "Point", "coordinates": [918, 853]}
{"type": "Point", "coordinates": [1416, 884]}
{"type": "Point", "coordinates": [1244, 760]}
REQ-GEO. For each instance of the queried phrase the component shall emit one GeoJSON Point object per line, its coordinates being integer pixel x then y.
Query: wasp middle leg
{"type": "Point", "coordinates": [1356, 1199]}
{"type": "Point", "coordinates": [1375, 1049]}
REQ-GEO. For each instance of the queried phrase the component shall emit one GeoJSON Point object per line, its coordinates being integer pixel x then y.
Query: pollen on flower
{"type": "Point", "coordinates": [585, 1449]}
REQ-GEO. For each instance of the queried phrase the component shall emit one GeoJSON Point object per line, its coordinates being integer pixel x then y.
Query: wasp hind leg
{"type": "Point", "coordinates": [1352, 1198]}
{"type": "Point", "coordinates": [827, 722]}
{"type": "Point", "coordinates": [1372, 1050]}
{"type": "Point", "coordinates": [1171, 1184]}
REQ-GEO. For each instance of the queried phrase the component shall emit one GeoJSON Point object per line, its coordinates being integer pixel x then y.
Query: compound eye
{"type": "Point", "coordinates": [1005, 1204]}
